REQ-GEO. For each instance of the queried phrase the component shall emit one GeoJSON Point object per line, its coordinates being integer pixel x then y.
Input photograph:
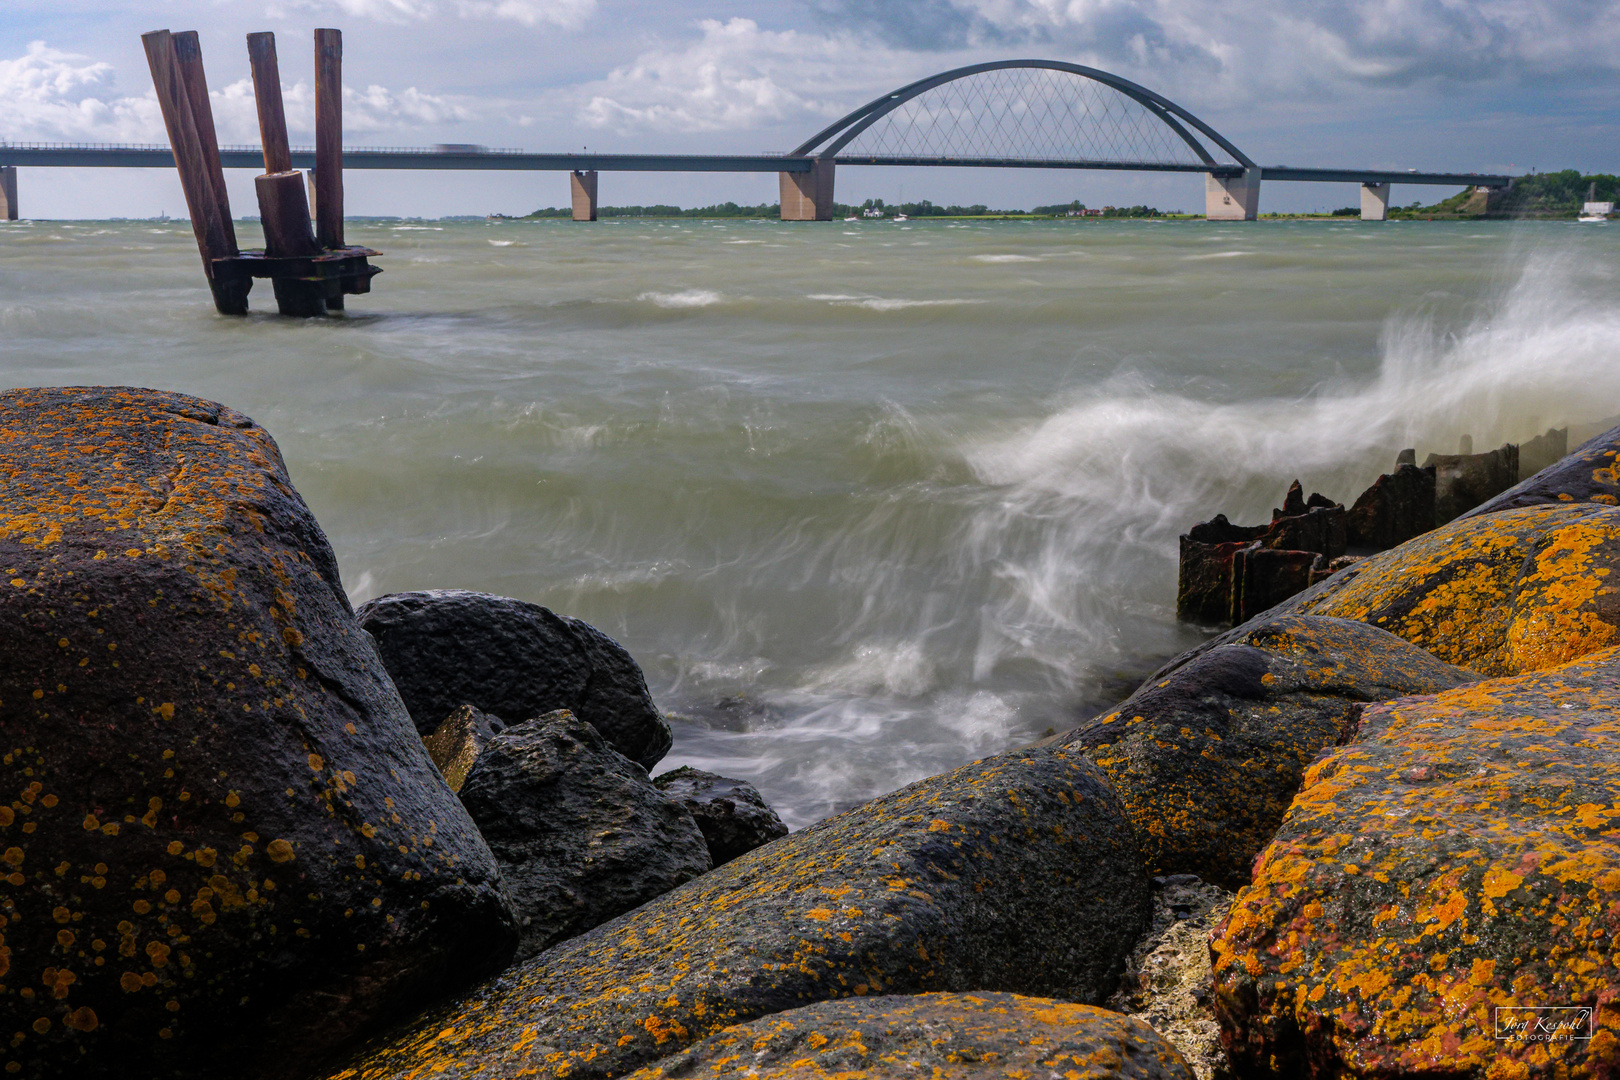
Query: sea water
{"type": "Point", "coordinates": [866, 500]}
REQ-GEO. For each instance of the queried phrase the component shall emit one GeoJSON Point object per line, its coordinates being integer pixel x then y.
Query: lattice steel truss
{"type": "Point", "coordinates": [1026, 112]}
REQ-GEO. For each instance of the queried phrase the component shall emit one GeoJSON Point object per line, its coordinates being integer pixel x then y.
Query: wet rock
{"type": "Point", "coordinates": [733, 815]}
{"type": "Point", "coordinates": [514, 660]}
{"type": "Point", "coordinates": [941, 1036]}
{"type": "Point", "coordinates": [225, 845]}
{"type": "Point", "coordinates": [1460, 857]}
{"type": "Point", "coordinates": [456, 743]}
{"type": "Point", "coordinates": [579, 831]}
{"type": "Point", "coordinates": [1207, 757]}
{"type": "Point", "coordinates": [1167, 980]}
{"type": "Point", "coordinates": [1513, 591]}
{"type": "Point", "coordinates": [1230, 573]}
{"type": "Point", "coordinates": [1464, 481]}
{"type": "Point", "coordinates": [935, 887]}
{"type": "Point", "coordinates": [1589, 475]}
{"type": "Point", "coordinates": [1397, 507]}
{"type": "Point", "coordinates": [1543, 450]}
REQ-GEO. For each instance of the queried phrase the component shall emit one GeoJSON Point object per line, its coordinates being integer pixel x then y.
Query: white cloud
{"type": "Point", "coordinates": [54, 96]}
{"type": "Point", "coordinates": [738, 76]}
{"type": "Point", "coordinates": [568, 14]}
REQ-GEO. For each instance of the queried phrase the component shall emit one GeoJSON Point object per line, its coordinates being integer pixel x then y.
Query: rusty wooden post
{"type": "Point", "coordinates": [283, 206]}
{"type": "Point", "coordinates": [329, 148]}
{"type": "Point", "coordinates": [267, 96]}
{"type": "Point", "coordinates": [196, 171]}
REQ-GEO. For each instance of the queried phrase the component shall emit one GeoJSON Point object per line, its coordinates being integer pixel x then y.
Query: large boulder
{"type": "Point", "coordinates": [1590, 475]}
{"type": "Point", "coordinates": [1443, 878]}
{"type": "Point", "coordinates": [733, 815]}
{"type": "Point", "coordinates": [1018, 873]}
{"type": "Point", "coordinates": [580, 832]}
{"type": "Point", "coordinates": [514, 660]}
{"type": "Point", "coordinates": [1207, 757]}
{"type": "Point", "coordinates": [940, 1036]}
{"type": "Point", "coordinates": [227, 842]}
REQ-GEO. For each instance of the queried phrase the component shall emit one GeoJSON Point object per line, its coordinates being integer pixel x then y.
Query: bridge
{"type": "Point", "coordinates": [1027, 114]}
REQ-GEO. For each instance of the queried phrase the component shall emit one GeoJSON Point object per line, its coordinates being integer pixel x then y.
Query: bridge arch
{"type": "Point", "coordinates": [1068, 96]}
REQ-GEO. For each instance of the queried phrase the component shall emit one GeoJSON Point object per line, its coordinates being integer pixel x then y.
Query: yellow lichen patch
{"type": "Point", "coordinates": [1478, 819]}
{"type": "Point", "coordinates": [1457, 591]}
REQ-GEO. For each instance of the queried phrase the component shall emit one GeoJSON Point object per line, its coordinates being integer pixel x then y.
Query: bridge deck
{"type": "Point", "coordinates": [124, 157]}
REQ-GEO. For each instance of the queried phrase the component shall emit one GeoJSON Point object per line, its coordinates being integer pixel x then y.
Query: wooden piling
{"type": "Point", "coordinates": [328, 186]}
{"type": "Point", "coordinates": [267, 95]}
{"type": "Point", "coordinates": [196, 172]}
{"type": "Point", "coordinates": [284, 213]}
{"type": "Point", "coordinates": [188, 57]}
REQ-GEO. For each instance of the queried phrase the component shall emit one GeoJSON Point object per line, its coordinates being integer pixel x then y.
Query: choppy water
{"type": "Point", "coordinates": [867, 501]}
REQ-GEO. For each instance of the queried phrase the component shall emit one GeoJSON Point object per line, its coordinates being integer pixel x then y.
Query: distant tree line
{"type": "Point", "coordinates": [1554, 194]}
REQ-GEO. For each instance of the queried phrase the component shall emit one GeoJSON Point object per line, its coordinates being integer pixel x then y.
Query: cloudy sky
{"type": "Point", "coordinates": [1489, 85]}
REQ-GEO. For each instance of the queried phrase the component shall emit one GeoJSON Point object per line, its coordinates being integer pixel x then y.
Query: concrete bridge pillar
{"type": "Point", "coordinates": [1232, 198]}
{"type": "Point", "coordinates": [8, 193]}
{"type": "Point", "coordinates": [582, 186]}
{"type": "Point", "coordinates": [808, 196]}
{"type": "Point", "coordinates": [1374, 202]}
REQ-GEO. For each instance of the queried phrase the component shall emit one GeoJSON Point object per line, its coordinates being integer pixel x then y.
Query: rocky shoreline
{"type": "Point", "coordinates": [1367, 832]}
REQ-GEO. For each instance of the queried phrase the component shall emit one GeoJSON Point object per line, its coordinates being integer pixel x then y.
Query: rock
{"type": "Point", "coordinates": [1398, 506]}
{"type": "Point", "coordinates": [580, 833]}
{"type": "Point", "coordinates": [1589, 475]}
{"type": "Point", "coordinates": [1460, 858]}
{"type": "Point", "coordinates": [1167, 976]}
{"type": "Point", "coordinates": [456, 743]}
{"type": "Point", "coordinates": [1464, 481]}
{"type": "Point", "coordinates": [1504, 593]}
{"type": "Point", "coordinates": [515, 660]}
{"type": "Point", "coordinates": [940, 1036]}
{"type": "Point", "coordinates": [1017, 873]}
{"type": "Point", "coordinates": [227, 843]}
{"type": "Point", "coordinates": [1542, 451]}
{"type": "Point", "coordinates": [1207, 758]}
{"type": "Point", "coordinates": [733, 815]}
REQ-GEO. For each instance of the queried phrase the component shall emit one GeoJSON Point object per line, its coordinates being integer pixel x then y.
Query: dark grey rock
{"type": "Point", "coordinates": [1588, 474]}
{"type": "Point", "coordinates": [1018, 873]}
{"type": "Point", "coordinates": [446, 648]}
{"type": "Point", "coordinates": [456, 743]}
{"type": "Point", "coordinates": [580, 833]}
{"type": "Point", "coordinates": [733, 815]}
{"type": "Point", "coordinates": [1398, 506]}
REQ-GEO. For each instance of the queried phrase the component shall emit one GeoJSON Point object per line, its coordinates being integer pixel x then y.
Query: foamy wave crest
{"type": "Point", "coordinates": [1096, 492]}
{"type": "Point", "coordinates": [686, 298]}
{"type": "Point", "coordinates": [1004, 258]}
{"type": "Point", "coordinates": [879, 303]}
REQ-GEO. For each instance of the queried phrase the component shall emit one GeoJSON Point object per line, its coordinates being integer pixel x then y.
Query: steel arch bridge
{"type": "Point", "coordinates": [1024, 113]}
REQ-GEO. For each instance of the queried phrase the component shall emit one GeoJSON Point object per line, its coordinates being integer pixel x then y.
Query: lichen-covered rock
{"type": "Point", "coordinates": [1207, 756]}
{"type": "Point", "coordinates": [515, 660]}
{"type": "Point", "coordinates": [1461, 856]}
{"type": "Point", "coordinates": [456, 743]}
{"type": "Point", "coordinates": [580, 832]}
{"type": "Point", "coordinates": [1590, 475]}
{"type": "Point", "coordinates": [1515, 591]}
{"type": "Point", "coordinates": [1167, 980]}
{"type": "Point", "coordinates": [225, 846]}
{"type": "Point", "coordinates": [1017, 873]}
{"type": "Point", "coordinates": [940, 1036]}
{"type": "Point", "coordinates": [733, 815]}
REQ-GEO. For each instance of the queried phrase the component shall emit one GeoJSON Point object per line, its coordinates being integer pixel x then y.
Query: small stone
{"type": "Point", "coordinates": [455, 744]}
{"type": "Point", "coordinates": [733, 815]}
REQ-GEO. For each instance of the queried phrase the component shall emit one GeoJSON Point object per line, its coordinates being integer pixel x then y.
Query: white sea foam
{"type": "Point", "coordinates": [502, 243]}
{"type": "Point", "coordinates": [879, 303]}
{"type": "Point", "coordinates": [1004, 258]}
{"type": "Point", "coordinates": [686, 298]}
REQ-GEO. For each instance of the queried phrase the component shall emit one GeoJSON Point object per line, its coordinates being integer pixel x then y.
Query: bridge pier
{"type": "Point", "coordinates": [1374, 202]}
{"type": "Point", "coordinates": [808, 196]}
{"type": "Point", "coordinates": [582, 188]}
{"type": "Point", "coordinates": [8, 193]}
{"type": "Point", "coordinates": [1232, 198]}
